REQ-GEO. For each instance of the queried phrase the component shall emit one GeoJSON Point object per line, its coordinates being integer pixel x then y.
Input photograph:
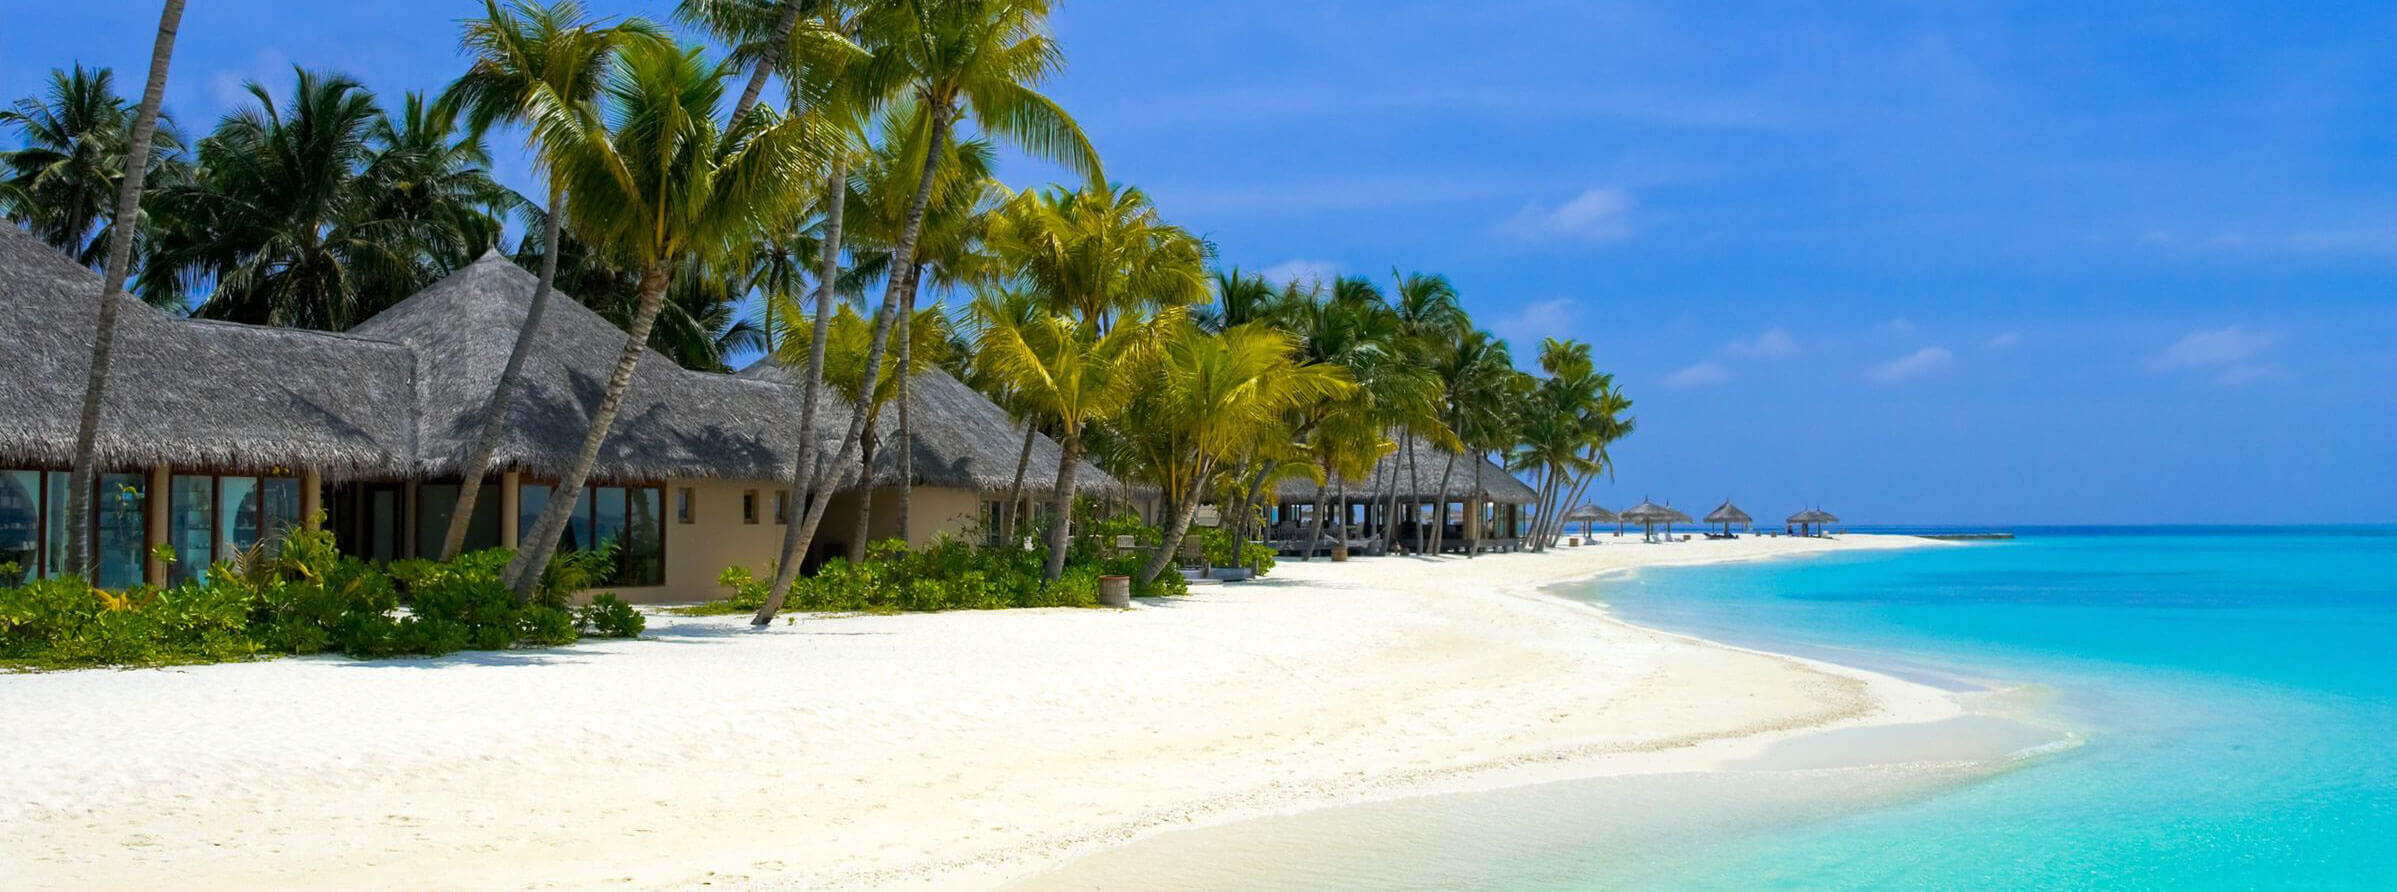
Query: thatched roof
{"type": "Point", "coordinates": [1590, 514]}
{"type": "Point", "coordinates": [674, 422]}
{"type": "Point", "coordinates": [1813, 516]}
{"type": "Point", "coordinates": [1728, 513]}
{"type": "Point", "coordinates": [1647, 512]}
{"type": "Point", "coordinates": [193, 393]}
{"type": "Point", "coordinates": [1475, 477]}
{"type": "Point", "coordinates": [962, 439]}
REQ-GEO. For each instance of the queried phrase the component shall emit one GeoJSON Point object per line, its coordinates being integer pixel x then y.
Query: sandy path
{"type": "Point", "coordinates": [955, 749]}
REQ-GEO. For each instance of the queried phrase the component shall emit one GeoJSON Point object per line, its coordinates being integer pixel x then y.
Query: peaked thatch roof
{"type": "Point", "coordinates": [673, 423]}
{"type": "Point", "coordinates": [1813, 516]}
{"type": "Point", "coordinates": [962, 439]}
{"type": "Point", "coordinates": [1590, 514]}
{"type": "Point", "coordinates": [1419, 480]}
{"type": "Point", "coordinates": [1728, 513]}
{"type": "Point", "coordinates": [233, 397]}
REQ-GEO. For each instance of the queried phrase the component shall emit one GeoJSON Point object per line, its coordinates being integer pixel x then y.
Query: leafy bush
{"type": "Point", "coordinates": [1226, 550]}
{"type": "Point", "coordinates": [609, 617]}
{"type": "Point", "coordinates": [954, 575]}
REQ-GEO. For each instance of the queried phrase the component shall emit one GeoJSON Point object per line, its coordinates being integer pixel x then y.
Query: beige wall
{"type": "Point", "coordinates": [933, 511]}
{"type": "Point", "coordinates": [717, 538]}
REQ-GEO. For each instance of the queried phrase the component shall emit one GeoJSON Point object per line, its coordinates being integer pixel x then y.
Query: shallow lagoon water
{"type": "Point", "coordinates": [2234, 692]}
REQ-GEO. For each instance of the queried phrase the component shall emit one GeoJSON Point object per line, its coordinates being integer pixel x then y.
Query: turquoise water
{"type": "Point", "coordinates": [2237, 688]}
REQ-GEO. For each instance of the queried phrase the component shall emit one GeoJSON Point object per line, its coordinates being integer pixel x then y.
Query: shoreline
{"type": "Point", "coordinates": [959, 749]}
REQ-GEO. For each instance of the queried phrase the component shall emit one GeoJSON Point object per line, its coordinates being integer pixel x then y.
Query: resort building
{"type": "Point", "coordinates": [1488, 508]}
{"type": "Point", "coordinates": [216, 436]}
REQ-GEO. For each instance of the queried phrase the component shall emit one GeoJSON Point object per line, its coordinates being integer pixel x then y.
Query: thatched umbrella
{"type": "Point", "coordinates": [1648, 514]}
{"type": "Point", "coordinates": [1590, 514]}
{"type": "Point", "coordinates": [1728, 514]}
{"type": "Point", "coordinates": [1810, 521]}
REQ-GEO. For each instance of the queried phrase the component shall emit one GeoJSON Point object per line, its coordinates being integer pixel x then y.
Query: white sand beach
{"type": "Point", "coordinates": [920, 751]}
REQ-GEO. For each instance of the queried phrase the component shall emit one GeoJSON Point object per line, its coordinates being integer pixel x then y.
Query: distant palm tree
{"type": "Point", "coordinates": [112, 282]}
{"type": "Point", "coordinates": [63, 182]}
{"type": "Point", "coordinates": [1473, 375]}
{"type": "Point", "coordinates": [1075, 376]}
{"type": "Point", "coordinates": [959, 59]}
{"type": "Point", "coordinates": [656, 182]}
{"type": "Point", "coordinates": [528, 59]}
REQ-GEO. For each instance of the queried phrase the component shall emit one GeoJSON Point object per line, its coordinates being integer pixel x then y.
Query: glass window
{"type": "Point", "coordinates": [55, 545]}
{"type": "Point", "coordinates": [607, 516]}
{"type": "Point", "coordinates": [530, 499]}
{"type": "Point", "coordinates": [191, 527]}
{"type": "Point", "coordinates": [749, 506]}
{"type": "Point", "coordinates": [993, 518]}
{"type": "Point", "coordinates": [683, 506]}
{"type": "Point", "coordinates": [434, 503]}
{"type": "Point", "coordinates": [20, 524]}
{"type": "Point", "coordinates": [578, 524]}
{"type": "Point", "coordinates": [644, 546]}
{"type": "Point", "coordinates": [279, 506]}
{"type": "Point", "coordinates": [782, 506]}
{"type": "Point", "coordinates": [237, 513]}
{"type": "Point", "coordinates": [121, 551]}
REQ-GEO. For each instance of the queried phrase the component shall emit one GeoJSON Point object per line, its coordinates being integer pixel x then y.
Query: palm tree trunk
{"type": "Point", "coordinates": [1015, 491]}
{"type": "Point", "coordinates": [906, 382]}
{"type": "Point", "coordinates": [1183, 514]}
{"type": "Point", "coordinates": [1414, 513]}
{"type": "Point", "coordinates": [1440, 518]}
{"type": "Point", "coordinates": [1315, 526]}
{"type": "Point", "coordinates": [120, 260]}
{"type": "Point", "coordinates": [1341, 482]}
{"type": "Point", "coordinates": [1061, 532]}
{"type": "Point", "coordinates": [765, 63]}
{"type": "Point", "coordinates": [798, 533]}
{"type": "Point", "coordinates": [1406, 441]}
{"type": "Point", "coordinates": [495, 411]}
{"type": "Point", "coordinates": [865, 499]}
{"type": "Point", "coordinates": [531, 559]}
{"type": "Point", "coordinates": [854, 441]}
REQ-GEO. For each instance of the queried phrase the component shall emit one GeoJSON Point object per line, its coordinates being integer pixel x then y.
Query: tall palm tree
{"type": "Point", "coordinates": [1473, 377]}
{"type": "Point", "coordinates": [957, 59]}
{"type": "Point", "coordinates": [1430, 319]}
{"type": "Point", "coordinates": [1206, 399]}
{"type": "Point", "coordinates": [62, 181]}
{"type": "Point", "coordinates": [657, 181]}
{"type": "Point", "coordinates": [529, 60]}
{"type": "Point", "coordinates": [112, 282]}
{"type": "Point", "coordinates": [1075, 376]}
{"type": "Point", "coordinates": [999, 306]}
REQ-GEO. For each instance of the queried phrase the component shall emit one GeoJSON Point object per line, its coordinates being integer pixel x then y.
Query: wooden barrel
{"type": "Point", "coordinates": [1115, 591]}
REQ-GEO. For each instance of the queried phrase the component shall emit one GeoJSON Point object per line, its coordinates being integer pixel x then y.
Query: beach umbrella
{"type": "Point", "coordinates": [1590, 514]}
{"type": "Point", "coordinates": [1812, 518]}
{"type": "Point", "coordinates": [1728, 514]}
{"type": "Point", "coordinates": [1648, 514]}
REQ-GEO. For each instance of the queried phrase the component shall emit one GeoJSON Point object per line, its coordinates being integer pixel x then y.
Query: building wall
{"type": "Point", "coordinates": [718, 537]}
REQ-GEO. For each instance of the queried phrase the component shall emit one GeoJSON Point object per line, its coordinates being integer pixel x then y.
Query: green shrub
{"type": "Point", "coordinates": [609, 617]}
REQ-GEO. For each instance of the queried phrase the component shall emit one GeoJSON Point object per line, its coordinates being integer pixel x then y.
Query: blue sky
{"type": "Point", "coordinates": [1961, 262]}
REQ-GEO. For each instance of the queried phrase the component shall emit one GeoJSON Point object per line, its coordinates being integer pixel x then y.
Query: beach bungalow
{"type": "Point", "coordinates": [217, 435]}
{"type": "Point", "coordinates": [1488, 508]}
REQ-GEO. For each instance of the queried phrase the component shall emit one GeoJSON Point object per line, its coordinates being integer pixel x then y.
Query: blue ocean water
{"type": "Point", "coordinates": [2237, 690]}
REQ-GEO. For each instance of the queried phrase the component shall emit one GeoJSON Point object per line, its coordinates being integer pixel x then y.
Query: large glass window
{"type": "Point", "coordinates": [644, 538]}
{"type": "Point", "coordinates": [20, 524]}
{"type": "Point", "coordinates": [121, 550]}
{"type": "Point", "coordinates": [237, 513]}
{"type": "Point", "coordinates": [191, 527]}
{"type": "Point", "coordinates": [633, 518]}
{"type": "Point", "coordinates": [434, 503]}
{"type": "Point", "coordinates": [54, 546]}
{"type": "Point", "coordinates": [279, 506]}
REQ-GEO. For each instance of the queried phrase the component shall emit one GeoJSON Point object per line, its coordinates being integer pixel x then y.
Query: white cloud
{"type": "Point", "coordinates": [1539, 319]}
{"type": "Point", "coordinates": [2003, 341]}
{"type": "Point", "coordinates": [1913, 365]}
{"type": "Point", "coordinates": [1773, 344]}
{"type": "Point", "coordinates": [1304, 272]}
{"type": "Point", "coordinates": [1700, 375]}
{"type": "Point", "coordinates": [1598, 215]}
{"type": "Point", "coordinates": [1900, 327]}
{"type": "Point", "coordinates": [2235, 355]}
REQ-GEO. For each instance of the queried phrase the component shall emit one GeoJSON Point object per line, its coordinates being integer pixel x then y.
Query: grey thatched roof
{"type": "Point", "coordinates": [674, 422]}
{"type": "Point", "coordinates": [1475, 476]}
{"type": "Point", "coordinates": [1590, 514]}
{"type": "Point", "coordinates": [1728, 513]}
{"type": "Point", "coordinates": [1814, 516]}
{"type": "Point", "coordinates": [1647, 512]}
{"type": "Point", "coordinates": [962, 439]}
{"type": "Point", "coordinates": [194, 393]}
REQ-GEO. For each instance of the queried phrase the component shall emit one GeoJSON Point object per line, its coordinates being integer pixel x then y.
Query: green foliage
{"type": "Point", "coordinates": [609, 617]}
{"type": "Point", "coordinates": [953, 575]}
{"type": "Point", "coordinates": [1224, 549]}
{"type": "Point", "coordinates": [301, 596]}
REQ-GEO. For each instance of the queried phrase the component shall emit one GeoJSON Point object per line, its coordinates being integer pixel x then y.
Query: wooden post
{"type": "Point", "coordinates": [510, 505]}
{"type": "Point", "coordinates": [312, 499]}
{"type": "Point", "coordinates": [154, 518]}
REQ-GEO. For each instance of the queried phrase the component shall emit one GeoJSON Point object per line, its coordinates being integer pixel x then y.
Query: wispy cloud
{"type": "Point", "coordinates": [2002, 341]}
{"type": "Point", "coordinates": [2233, 355]}
{"type": "Point", "coordinates": [1701, 375]}
{"type": "Point", "coordinates": [1770, 344]}
{"type": "Point", "coordinates": [1536, 320]}
{"type": "Point", "coordinates": [1304, 272]}
{"type": "Point", "coordinates": [1597, 215]}
{"type": "Point", "coordinates": [1926, 361]}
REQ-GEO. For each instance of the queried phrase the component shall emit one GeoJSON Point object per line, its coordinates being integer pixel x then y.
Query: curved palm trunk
{"type": "Point", "coordinates": [1015, 491]}
{"type": "Point", "coordinates": [907, 450]}
{"type": "Point", "coordinates": [1440, 518]}
{"type": "Point", "coordinates": [495, 411]}
{"type": "Point", "coordinates": [765, 64]}
{"type": "Point", "coordinates": [1183, 514]}
{"type": "Point", "coordinates": [533, 558]}
{"type": "Point", "coordinates": [112, 282]}
{"type": "Point", "coordinates": [1061, 532]}
{"type": "Point", "coordinates": [853, 442]}
{"type": "Point", "coordinates": [1389, 537]}
{"type": "Point", "coordinates": [1415, 511]}
{"type": "Point", "coordinates": [865, 499]}
{"type": "Point", "coordinates": [806, 470]}
{"type": "Point", "coordinates": [1340, 481]}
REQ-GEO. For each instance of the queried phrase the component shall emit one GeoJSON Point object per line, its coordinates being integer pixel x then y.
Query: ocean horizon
{"type": "Point", "coordinates": [2220, 698]}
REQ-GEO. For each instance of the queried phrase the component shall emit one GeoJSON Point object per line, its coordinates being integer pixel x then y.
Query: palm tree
{"type": "Point", "coordinates": [1240, 298]}
{"type": "Point", "coordinates": [1206, 400]}
{"type": "Point", "coordinates": [1101, 253]}
{"type": "Point", "coordinates": [1075, 376]}
{"type": "Point", "coordinates": [64, 179]}
{"type": "Point", "coordinates": [528, 60]}
{"type": "Point", "coordinates": [120, 257]}
{"type": "Point", "coordinates": [956, 59]}
{"type": "Point", "coordinates": [1473, 377]}
{"type": "Point", "coordinates": [846, 347]}
{"type": "Point", "coordinates": [1429, 322]}
{"type": "Point", "coordinates": [1001, 306]}
{"type": "Point", "coordinates": [656, 181]}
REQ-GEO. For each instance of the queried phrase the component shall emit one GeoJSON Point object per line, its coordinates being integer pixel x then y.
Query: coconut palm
{"type": "Point", "coordinates": [1205, 401]}
{"type": "Point", "coordinates": [1101, 253]}
{"type": "Point", "coordinates": [1429, 322]}
{"type": "Point", "coordinates": [957, 60]}
{"type": "Point", "coordinates": [1074, 376]}
{"type": "Point", "coordinates": [112, 282]}
{"type": "Point", "coordinates": [656, 182]}
{"type": "Point", "coordinates": [1473, 374]}
{"type": "Point", "coordinates": [1240, 298]}
{"type": "Point", "coordinates": [63, 180]}
{"type": "Point", "coordinates": [527, 59]}
{"type": "Point", "coordinates": [1001, 306]}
